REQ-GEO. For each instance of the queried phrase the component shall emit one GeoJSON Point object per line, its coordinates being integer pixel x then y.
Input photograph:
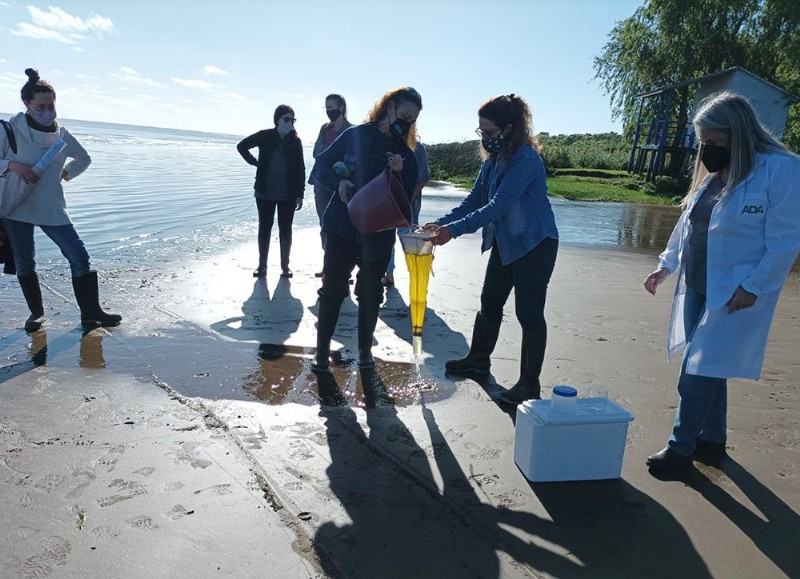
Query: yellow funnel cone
{"type": "Point", "coordinates": [418, 249]}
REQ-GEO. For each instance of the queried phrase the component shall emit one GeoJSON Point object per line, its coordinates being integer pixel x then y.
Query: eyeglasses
{"type": "Point", "coordinates": [483, 134]}
{"type": "Point", "coordinates": [288, 119]}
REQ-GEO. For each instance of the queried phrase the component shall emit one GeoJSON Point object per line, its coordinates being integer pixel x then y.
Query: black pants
{"type": "Point", "coordinates": [528, 276]}
{"type": "Point", "coordinates": [341, 257]}
{"type": "Point", "coordinates": [266, 217]}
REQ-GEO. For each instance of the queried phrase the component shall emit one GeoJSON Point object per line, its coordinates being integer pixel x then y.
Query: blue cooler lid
{"type": "Point", "coordinates": [584, 414]}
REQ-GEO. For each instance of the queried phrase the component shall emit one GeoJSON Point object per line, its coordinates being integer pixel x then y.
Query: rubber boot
{"type": "Point", "coordinates": [484, 339]}
{"type": "Point", "coordinates": [375, 392]}
{"type": "Point", "coordinates": [286, 249]}
{"type": "Point", "coordinates": [33, 297]}
{"type": "Point", "coordinates": [367, 320]}
{"type": "Point", "coordinates": [263, 253]}
{"type": "Point", "coordinates": [530, 367]}
{"type": "Point", "coordinates": [326, 324]}
{"type": "Point", "coordinates": [86, 293]}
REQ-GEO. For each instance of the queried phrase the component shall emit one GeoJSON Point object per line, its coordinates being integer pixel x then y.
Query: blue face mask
{"type": "Point", "coordinates": [43, 118]}
{"type": "Point", "coordinates": [493, 145]}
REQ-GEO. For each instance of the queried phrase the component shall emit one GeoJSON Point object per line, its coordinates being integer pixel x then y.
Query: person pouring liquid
{"type": "Point", "coordinates": [361, 153]}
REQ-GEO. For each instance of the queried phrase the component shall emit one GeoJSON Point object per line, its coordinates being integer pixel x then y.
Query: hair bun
{"type": "Point", "coordinates": [33, 74]}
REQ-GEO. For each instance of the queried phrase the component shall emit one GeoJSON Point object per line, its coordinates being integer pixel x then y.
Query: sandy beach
{"type": "Point", "coordinates": [203, 402]}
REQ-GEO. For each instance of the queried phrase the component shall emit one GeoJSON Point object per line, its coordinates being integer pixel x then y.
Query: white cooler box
{"type": "Point", "coordinates": [586, 445]}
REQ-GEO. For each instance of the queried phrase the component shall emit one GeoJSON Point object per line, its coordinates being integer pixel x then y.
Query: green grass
{"type": "Point", "coordinates": [590, 185]}
{"type": "Point", "coordinates": [593, 189]}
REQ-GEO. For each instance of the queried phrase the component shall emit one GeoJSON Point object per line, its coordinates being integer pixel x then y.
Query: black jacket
{"type": "Point", "coordinates": [266, 141]}
{"type": "Point", "coordinates": [363, 150]}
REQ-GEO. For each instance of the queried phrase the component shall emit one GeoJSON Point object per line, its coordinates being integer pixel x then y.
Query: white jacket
{"type": "Point", "coordinates": [753, 240]}
{"type": "Point", "coordinates": [45, 203]}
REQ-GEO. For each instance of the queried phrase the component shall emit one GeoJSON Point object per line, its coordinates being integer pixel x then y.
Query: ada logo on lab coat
{"type": "Point", "coordinates": [753, 209]}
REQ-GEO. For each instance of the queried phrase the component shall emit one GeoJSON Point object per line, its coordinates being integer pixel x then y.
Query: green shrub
{"type": "Point", "coordinates": [449, 160]}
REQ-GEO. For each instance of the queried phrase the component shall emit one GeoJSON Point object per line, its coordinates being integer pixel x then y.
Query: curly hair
{"type": "Point", "coordinates": [397, 96]}
{"type": "Point", "coordinates": [510, 110]}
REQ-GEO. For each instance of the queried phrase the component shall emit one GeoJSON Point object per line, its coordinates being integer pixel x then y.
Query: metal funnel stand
{"type": "Point", "coordinates": [418, 249]}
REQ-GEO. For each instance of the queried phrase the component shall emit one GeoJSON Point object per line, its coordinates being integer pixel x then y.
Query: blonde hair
{"type": "Point", "coordinates": [732, 113]}
{"type": "Point", "coordinates": [397, 96]}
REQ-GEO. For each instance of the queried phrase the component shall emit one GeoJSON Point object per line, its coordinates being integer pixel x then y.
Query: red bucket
{"type": "Point", "coordinates": [379, 205]}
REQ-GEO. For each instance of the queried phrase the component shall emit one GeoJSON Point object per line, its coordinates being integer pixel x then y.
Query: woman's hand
{"type": "Point", "coordinates": [655, 279]}
{"type": "Point", "coordinates": [25, 172]}
{"type": "Point", "coordinates": [741, 300]}
{"type": "Point", "coordinates": [441, 236]}
{"type": "Point", "coordinates": [299, 205]}
{"type": "Point", "coordinates": [345, 186]}
{"type": "Point", "coordinates": [64, 175]}
{"type": "Point", "coordinates": [395, 162]}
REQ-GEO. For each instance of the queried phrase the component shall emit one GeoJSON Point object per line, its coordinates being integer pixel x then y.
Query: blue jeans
{"type": "Point", "coordinates": [703, 405]}
{"type": "Point", "coordinates": [64, 236]}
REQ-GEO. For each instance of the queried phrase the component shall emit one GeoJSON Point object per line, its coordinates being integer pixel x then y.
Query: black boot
{"type": "Point", "coordinates": [327, 318]}
{"type": "Point", "coordinates": [286, 249]}
{"type": "Point", "coordinates": [367, 320]}
{"type": "Point", "coordinates": [86, 292]}
{"type": "Point", "coordinates": [484, 338]}
{"type": "Point", "coordinates": [530, 366]}
{"type": "Point", "coordinates": [33, 297]}
{"type": "Point", "coordinates": [375, 392]}
{"type": "Point", "coordinates": [263, 253]}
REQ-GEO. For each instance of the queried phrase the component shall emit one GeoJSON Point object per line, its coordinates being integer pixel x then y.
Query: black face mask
{"type": "Point", "coordinates": [399, 128]}
{"type": "Point", "coordinates": [333, 115]}
{"type": "Point", "coordinates": [715, 157]}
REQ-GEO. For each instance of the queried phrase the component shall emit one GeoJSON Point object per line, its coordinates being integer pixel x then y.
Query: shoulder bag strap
{"type": "Point", "coordinates": [12, 141]}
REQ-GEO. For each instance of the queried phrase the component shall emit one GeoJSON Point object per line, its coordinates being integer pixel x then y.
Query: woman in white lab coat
{"type": "Point", "coordinates": [732, 249]}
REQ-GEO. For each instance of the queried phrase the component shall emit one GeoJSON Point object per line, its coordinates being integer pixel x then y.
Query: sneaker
{"type": "Point", "coordinates": [260, 272]}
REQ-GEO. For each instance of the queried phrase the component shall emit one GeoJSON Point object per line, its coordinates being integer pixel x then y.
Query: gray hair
{"type": "Point", "coordinates": [731, 112]}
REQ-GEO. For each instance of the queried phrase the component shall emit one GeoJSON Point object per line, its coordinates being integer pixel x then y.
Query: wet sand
{"type": "Point", "coordinates": [427, 488]}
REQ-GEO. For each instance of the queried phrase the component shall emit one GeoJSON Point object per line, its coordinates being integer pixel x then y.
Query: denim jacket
{"type": "Point", "coordinates": [509, 201]}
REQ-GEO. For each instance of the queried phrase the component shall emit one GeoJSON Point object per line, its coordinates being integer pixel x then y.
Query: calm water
{"type": "Point", "coordinates": [152, 193]}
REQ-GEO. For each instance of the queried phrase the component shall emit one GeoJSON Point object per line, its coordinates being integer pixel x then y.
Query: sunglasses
{"type": "Point", "coordinates": [289, 119]}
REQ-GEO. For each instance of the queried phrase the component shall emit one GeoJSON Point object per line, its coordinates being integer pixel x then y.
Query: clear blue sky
{"type": "Point", "coordinates": [225, 65]}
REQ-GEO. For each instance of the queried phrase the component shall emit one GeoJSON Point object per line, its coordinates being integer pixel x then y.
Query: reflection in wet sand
{"type": "Point", "coordinates": [91, 350]}
{"type": "Point", "coordinates": [284, 375]}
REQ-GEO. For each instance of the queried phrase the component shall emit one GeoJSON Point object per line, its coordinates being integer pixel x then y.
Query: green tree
{"type": "Point", "coordinates": [665, 42]}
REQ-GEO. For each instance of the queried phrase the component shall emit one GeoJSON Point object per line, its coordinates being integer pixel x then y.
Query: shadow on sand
{"type": "Point", "coordinates": [773, 527]}
{"type": "Point", "coordinates": [415, 512]}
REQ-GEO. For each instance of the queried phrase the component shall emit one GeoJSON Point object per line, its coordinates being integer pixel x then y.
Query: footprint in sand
{"type": "Point", "coordinates": [43, 563]}
{"type": "Point", "coordinates": [50, 482]}
{"type": "Point", "coordinates": [224, 489]}
{"type": "Point", "coordinates": [142, 522]}
{"type": "Point", "coordinates": [130, 489]}
{"type": "Point", "coordinates": [145, 471]}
